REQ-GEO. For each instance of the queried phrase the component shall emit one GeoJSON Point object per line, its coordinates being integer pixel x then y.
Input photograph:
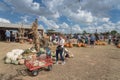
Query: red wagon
{"type": "Point", "coordinates": [35, 69]}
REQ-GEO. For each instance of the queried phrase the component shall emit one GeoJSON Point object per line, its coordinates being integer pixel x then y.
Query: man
{"type": "Point", "coordinates": [92, 40]}
{"type": "Point", "coordinates": [79, 38]}
{"type": "Point", "coordinates": [109, 39]}
{"type": "Point", "coordinates": [7, 33]}
{"type": "Point", "coordinates": [60, 49]}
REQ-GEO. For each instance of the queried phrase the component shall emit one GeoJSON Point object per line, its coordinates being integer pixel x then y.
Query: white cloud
{"type": "Point", "coordinates": [24, 19]}
{"type": "Point", "coordinates": [76, 29]}
{"type": "Point", "coordinates": [101, 7]}
{"type": "Point", "coordinates": [108, 26]}
{"type": "Point", "coordinates": [35, 6]}
{"type": "Point", "coordinates": [70, 9]}
{"type": "Point", "coordinates": [41, 26]}
{"type": "Point", "coordinates": [29, 7]}
{"type": "Point", "coordinates": [105, 19]}
{"type": "Point", "coordinates": [4, 20]}
{"type": "Point", "coordinates": [50, 23]}
{"type": "Point", "coordinates": [64, 25]}
{"type": "Point", "coordinates": [80, 16]}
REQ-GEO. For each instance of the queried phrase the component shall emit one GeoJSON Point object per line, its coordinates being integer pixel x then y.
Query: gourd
{"type": "Point", "coordinates": [7, 61]}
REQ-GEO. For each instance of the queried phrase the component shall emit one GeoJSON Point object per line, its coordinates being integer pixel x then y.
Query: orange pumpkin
{"type": "Point", "coordinates": [85, 45]}
{"type": "Point", "coordinates": [21, 41]}
{"type": "Point", "coordinates": [65, 45]}
{"type": "Point", "coordinates": [103, 43]}
{"type": "Point", "coordinates": [79, 44]}
{"type": "Point", "coordinates": [70, 45]}
{"type": "Point", "coordinates": [118, 45]}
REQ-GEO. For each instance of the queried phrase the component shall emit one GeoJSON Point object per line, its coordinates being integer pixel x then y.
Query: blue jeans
{"type": "Point", "coordinates": [59, 52]}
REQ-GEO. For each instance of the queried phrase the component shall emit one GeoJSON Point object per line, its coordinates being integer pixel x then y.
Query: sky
{"type": "Point", "coordinates": [66, 16]}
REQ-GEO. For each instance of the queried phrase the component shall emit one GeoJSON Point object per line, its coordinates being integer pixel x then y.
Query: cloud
{"type": "Point", "coordinates": [100, 8]}
{"type": "Point", "coordinates": [41, 26]}
{"type": "Point", "coordinates": [4, 20]}
{"type": "Point", "coordinates": [70, 9]}
{"type": "Point", "coordinates": [76, 29]}
{"type": "Point", "coordinates": [50, 23]}
{"type": "Point", "coordinates": [31, 7]}
{"type": "Point", "coordinates": [108, 26]}
{"type": "Point", "coordinates": [64, 25]}
{"type": "Point", "coordinates": [24, 19]}
{"type": "Point", "coordinates": [105, 19]}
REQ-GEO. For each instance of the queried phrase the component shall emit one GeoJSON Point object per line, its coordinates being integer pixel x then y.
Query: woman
{"type": "Point", "coordinates": [59, 50]}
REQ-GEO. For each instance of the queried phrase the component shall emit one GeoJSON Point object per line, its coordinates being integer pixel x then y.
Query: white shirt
{"type": "Point", "coordinates": [110, 37]}
{"type": "Point", "coordinates": [61, 42]}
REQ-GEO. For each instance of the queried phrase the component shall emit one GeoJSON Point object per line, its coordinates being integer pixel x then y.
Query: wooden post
{"type": "Point", "coordinates": [36, 38]}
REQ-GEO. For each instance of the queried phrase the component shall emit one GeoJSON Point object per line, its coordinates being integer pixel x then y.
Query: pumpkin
{"type": "Point", "coordinates": [66, 45]}
{"type": "Point", "coordinates": [103, 43]}
{"type": "Point", "coordinates": [70, 45]}
{"type": "Point", "coordinates": [21, 61]}
{"type": "Point", "coordinates": [118, 45]}
{"type": "Point", "coordinates": [71, 55]}
{"type": "Point", "coordinates": [84, 45]}
{"type": "Point", "coordinates": [7, 61]}
{"type": "Point", "coordinates": [21, 41]}
{"type": "Point", "coordinates": [20, 57]}
{"type": "Point", "coordinates": [96, 43]}
{"type": "Point", "coordinates": [16, 63]}
{"type": "Point", "coordinates": [79, 45]}
{"type": "Point", "coordinates": [34, 57]}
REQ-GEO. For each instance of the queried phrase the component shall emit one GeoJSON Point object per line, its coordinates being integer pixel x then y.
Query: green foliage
{"type": "Point", "coordinates": [84, 32]}
{"type": "Point", "coordinates": [113, 32]}
{"type": "Point", "coordinates": [27, 51]}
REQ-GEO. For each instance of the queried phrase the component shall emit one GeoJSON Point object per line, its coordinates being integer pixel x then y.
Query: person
{"type": "Point", "coordinates": [117, 40]}
{"type": "Point", "coordinates": [7, 33]}
{"type": "Point", "coordinates": [53, 37]}
{"type": "Point", "coordinates": [59, 50]}
{"type": "Point", "coordinates": [13, 36]}
{"type": "Point", "coordinates": [92, 40]}
{"type": "Point", "coordinates": [86, 39]}
{"type": "Point", "coordinates": [79, 38]}
{"type": "Point", "coordinates": [109, 39]}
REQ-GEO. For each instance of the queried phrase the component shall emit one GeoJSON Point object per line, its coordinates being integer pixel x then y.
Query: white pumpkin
{"type": "Point", "coordinates": [9, 55]}
{"type": "Point", "coordinates": [19, 57]}
{"type": "Point", "coordinates": [14, 58]}
{"type": "Point", "coordinates": [21, 61]}
{"type": "Point", "coordinates": [7, 61]}
{"type": "Point", "coordinates": [16, 62]}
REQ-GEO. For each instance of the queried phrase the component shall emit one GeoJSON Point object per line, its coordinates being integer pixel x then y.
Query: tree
{"type": "Point", "coordinates": [50, 30]}
{"type": "Point", "coordinates": [84, 32]}
{"type": "Point", "coordinates": [113, 32]}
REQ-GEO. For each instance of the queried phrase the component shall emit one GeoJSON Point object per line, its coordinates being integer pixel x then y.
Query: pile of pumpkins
{"type": "Point", "coordinates": [14, 57]}
{"type": "Point", "coordinates": [70, 45]}
{"type": "Point", "coordinates": [100, 43]}
{"type": "Point", "coordinates": [18, 56]}
{"type": "Point", "coordinates": [81, 45]}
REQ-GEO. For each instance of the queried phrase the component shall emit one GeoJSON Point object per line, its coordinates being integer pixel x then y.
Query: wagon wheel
{"type": "Point", "coordinates": [49, 67]}
{"type": "Point", "coordinates": [35, 72]}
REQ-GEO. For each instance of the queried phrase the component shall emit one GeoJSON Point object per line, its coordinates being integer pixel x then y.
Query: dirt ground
{"type": "Point", "coordinates": [99, 63]}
